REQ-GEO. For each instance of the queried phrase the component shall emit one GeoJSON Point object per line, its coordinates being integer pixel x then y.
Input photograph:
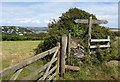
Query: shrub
{"type": "Point", "coordinates": [67, 25]}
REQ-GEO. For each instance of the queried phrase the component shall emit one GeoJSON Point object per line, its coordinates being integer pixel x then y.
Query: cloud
{"type": "Point", "coordinates": [47, 21]}
{"type": "Point", "coordinates": [105, 11]}
{"type": "Point", "coordinates": [29, 21]}
{"type": "Point", "coordinates": [41, 13]}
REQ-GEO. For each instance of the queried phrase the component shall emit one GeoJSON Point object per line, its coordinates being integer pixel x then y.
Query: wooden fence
{"type": "Point", "coordinates": [101, 40]}
{"type": "Point", "coordinates": [45, 72]}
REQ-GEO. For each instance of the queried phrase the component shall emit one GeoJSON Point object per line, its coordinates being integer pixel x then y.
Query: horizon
{"type": "Point", "coordinates": [47, 27]}
{"type": "Point", "coordinates": [39, 14]}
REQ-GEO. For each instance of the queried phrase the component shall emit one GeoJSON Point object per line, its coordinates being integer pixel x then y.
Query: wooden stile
{"type": "Point", "coordinates": [90, 22]}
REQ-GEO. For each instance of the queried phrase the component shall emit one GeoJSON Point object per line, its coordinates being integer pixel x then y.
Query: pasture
{"type": "Point", "coordinates": [16, 51]}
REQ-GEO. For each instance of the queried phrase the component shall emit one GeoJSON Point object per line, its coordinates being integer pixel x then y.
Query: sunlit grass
{"type": "Point", "coordinates": [16, 51]}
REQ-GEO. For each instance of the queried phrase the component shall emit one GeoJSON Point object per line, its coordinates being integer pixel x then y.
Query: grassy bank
{"type": "Point", "coordinates": [93, 72]}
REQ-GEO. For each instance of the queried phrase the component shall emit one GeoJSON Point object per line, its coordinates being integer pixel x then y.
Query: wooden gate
{"type": "Point", "coordinates": [46, 72]}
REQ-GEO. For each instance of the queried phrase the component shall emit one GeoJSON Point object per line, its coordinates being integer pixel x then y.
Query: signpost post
{"type": "Point", "coordinates": [90, 22]}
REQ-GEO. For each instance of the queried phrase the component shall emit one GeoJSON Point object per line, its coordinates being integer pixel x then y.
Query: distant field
{"type": "Point", "coordinates": [16, 51]}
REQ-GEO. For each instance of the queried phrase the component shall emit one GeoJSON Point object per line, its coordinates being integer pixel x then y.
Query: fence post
{"type": "Point", "coordinates": [108, 43]}
{"type": "Point", "coordinates": [62, 55]}
{"type": "Point", "coordinates": [108, 39]}
{"type": "Point", "coordinates": [68, 47]}
{"type": "Point", "coordinates": [58, 62]}
{"type": "Point", "coordinates": [89, 33]}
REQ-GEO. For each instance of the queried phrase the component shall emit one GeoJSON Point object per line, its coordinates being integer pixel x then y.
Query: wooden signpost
{"type": "Point", "coordinates": [93, 21]}
{"type": "Point", "coordinates": [90, 22]}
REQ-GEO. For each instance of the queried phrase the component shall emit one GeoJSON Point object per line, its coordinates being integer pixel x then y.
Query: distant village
{"type": "Point", "coordinates": [23, 30]}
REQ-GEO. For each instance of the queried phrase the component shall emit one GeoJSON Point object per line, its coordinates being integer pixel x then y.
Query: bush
{"type": "Point", "coordinates": [67, 25]}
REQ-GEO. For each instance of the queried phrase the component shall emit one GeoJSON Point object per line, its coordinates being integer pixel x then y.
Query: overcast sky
{"type": "Point", "coordinates": [41, 13]}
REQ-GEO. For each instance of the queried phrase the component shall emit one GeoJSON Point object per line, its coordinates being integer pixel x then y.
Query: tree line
{"type": "Point", "coordinates": [14, 37]}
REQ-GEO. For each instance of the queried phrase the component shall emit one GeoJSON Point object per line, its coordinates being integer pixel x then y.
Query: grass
{"type": "Point", "coordinates": [16, 51]}
{"type": "Point", "coordinates": [88, 72]}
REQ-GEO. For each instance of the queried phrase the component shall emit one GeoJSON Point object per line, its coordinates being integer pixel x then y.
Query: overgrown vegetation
{"type": "Point", "coordinates": [92, 72]}
{"type": "Point", "coordinates": [67, 25]}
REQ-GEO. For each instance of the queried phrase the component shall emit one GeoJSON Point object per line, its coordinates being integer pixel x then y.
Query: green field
{"type": "Point", "coordinates": [16, 51]}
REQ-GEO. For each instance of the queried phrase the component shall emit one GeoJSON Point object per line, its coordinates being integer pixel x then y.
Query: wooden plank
{"type": "Point", "coordinates": [52, 77]}
{"type": "Point", "coordinates": [14, 77]}
{"type": "Point", "coordinates": [74, 68]}
{"type": "Point", "coordinates": [31, 68]}
{"type": "Point", "coordinates": [100, 40]}
{"type": "Point", "coordinates": [99, 21]}
{"type": "Point", "coordinates": [101, 46]}
{"type": "Point", "coordinates": [62, 55]}
{"type": "Point", "coordinates": [81, 21]}
{"type": "Point", "coordinates": [53, 69]}
{"type": "Point", "coordinates": [32, 75]}
{"type": "Point", "coordinates": [45, 75]}
{"type": "Point", "coordinates": [27, 62]}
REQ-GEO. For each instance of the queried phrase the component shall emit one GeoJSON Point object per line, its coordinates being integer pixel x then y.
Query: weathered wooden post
{"type": "Point", "coordinates": [62, 55]}
{"type": "Point", "coordinates": [58, 62]}
{"type": "Point", "coordinates": [108, 43]}
{"type": "Point", "coordinates": [89, 34]}
{"type": "Point", "coordinates": [68, 47]}
{"type": "Point", "coordinates": [108, 40]}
